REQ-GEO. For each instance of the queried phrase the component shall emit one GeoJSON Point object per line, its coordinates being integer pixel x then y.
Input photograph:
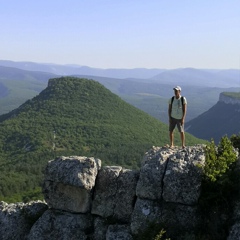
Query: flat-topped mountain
{"type": "Point", "coordinates": [222, 119]}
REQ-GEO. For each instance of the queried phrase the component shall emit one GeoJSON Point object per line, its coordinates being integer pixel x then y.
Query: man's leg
{"type": "Point", "coordinates": [182, 134]}
{"type": "Point", "coordinates": [183, 139]}
{"type": "Point", "coordinates": [171, 136]}
{"type": "Point", "coordinates": [172, 124]}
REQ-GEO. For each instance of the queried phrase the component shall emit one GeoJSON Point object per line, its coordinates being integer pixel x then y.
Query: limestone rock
{"type": "Point", "coordinates": [69, 182]}
{"type": "Point", "coordinates": [118, 232]}
{"type": "Point", "coordinates": [182, 180]}
{"type": "Point", "coordinates": [115, 193]}
{"type": "Point", "coordinates": [223, 97]}
{"type": "Point", "coordinates": [55, 225]}
{"type": "Point", "coordinates": [17, 219]}
{"type": "Point", "coordinates": [74, 171]}
{"type": "Point", "coordinates": [235, 229]}
{"type": "Point", "coordinates": [153, 168]}
{"type": "Point", "coordinates": [100, 228]}
{"type": "Point", "coordinates": [145, 212]}
{"type": "Point", "coordinates": [179, 218]}
{"type": "Point", "coordinates": [234, 232]}
{"type": "Point", "coordinates": [87, 202]}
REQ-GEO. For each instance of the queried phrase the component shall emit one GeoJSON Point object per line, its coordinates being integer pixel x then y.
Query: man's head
{"type": "Point", "coordinates": [177, 91]}
{"type": "Point", "coordinates": [178, 88]}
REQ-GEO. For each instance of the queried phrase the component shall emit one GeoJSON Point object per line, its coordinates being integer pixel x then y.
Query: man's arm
{"type": "Point", "coordinates": [184, 113]}
{"type": "Point", "coordinates": [169, 111]}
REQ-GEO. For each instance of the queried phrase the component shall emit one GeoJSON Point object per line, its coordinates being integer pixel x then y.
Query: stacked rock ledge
{"type": "Point", "coordinates": [87, 201]}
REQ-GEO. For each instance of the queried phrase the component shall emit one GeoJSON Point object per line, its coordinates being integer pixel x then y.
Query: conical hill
{"type": "Point", "coordinates": [74, 116]}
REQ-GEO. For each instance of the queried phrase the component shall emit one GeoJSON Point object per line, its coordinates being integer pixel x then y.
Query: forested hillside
{"type": "Point", "coordinates": [73, 116]}
{"type": "Point", "coordinates": [17, 86]}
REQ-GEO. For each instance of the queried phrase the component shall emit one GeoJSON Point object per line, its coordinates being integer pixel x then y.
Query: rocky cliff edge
{"type": "Point", "coordinates": [87, 201]}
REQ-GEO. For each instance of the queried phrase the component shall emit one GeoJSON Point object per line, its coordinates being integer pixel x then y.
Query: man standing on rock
{"type": "Point", "coordinates": [177, 110]}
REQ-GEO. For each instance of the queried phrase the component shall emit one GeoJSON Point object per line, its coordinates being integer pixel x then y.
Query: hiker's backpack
{"type": "Point", "coordinates": [181, 100]}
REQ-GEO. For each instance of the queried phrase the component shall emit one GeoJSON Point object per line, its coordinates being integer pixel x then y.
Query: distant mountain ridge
{"type": "Point", "coordinates": [17, 86]}
{"type": "Point", "coordinates": [20, 74]}
{"type": "Point", "coordinates": [201, 77]}
{"type": "Point", "coordinates": [73, 69]}
{"type": "Point", "coordinates": [222, 78]}
{"type": "Point", "coordinates": [146, 89]}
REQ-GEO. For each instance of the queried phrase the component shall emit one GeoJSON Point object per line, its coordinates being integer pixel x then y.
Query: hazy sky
{"type": "Point", "coordinates": [122, 33]}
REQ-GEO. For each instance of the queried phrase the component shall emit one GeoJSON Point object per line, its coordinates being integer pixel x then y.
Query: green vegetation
{"type": "Point", "coordinates": [73, 116]}
{"type": "Point", "coordinates": [220, 187]}
{"type": "Point", "coordinates": [30, 195]}
{"type": "Point", "coordinates": [154, 231]}
{"type": "Point", "coordinates": [232, 94]}
{"type": "Point", "coordinates": [219, 159]}
{"type": "Point", "coordinates": [235, 139]}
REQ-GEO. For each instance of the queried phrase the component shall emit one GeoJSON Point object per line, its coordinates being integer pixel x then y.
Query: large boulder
{"type": "Point", "coordinates": [69, 183]}
{"type": "Point", "coordinates": [168, 189]}
{"type": "Point", "coordinates": [56, 224]}
{"type": "Point", "coordinates": [172, 174]}
{"type": "Point", "coordinates": [183, 176]}
{"type": "Point", "coordinates": [17, 219]}
{"type": "Point", "coordinates": [115, 195]}
{"type": "Point", "coordinates": [153, 168]}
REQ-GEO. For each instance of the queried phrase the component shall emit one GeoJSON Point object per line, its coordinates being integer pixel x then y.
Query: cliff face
{"type": "Point", "coordinates": [223, 97]}
{"type": "Point", "coordinates": [220, 120]}
{"type": "Point", "coordinates": [87, 201]}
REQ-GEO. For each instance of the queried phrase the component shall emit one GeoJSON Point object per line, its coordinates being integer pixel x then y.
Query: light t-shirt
{"type": "Point", "coordinates": [177, 111]}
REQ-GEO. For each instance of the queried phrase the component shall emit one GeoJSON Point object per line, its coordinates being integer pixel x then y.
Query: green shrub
{"type": "Point", "coordinates": [235, 139]}
{"type": "Point", "coordinates": [219, 159]}
{"type": "Point", "coordinates": [220, 186]}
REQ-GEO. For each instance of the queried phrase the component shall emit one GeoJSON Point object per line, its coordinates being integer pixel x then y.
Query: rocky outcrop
{"type": "Point", "coordinates": [223, 97]}
{"type": "Point", "coordinates": [115, 193]}
{"type": "Point", "coordinates": [87, 201]}
{"type": "Point", "coordinates": [56, 224]}
{"type": "Point", "coordinates": [168, 189]}
{"type": "Point", "coordinates": [17, 219]}
{"type": "Point", "coordinates": [69, 182]}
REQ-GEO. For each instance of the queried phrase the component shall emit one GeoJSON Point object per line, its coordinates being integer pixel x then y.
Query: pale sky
{"type": "Point", "coordinates": [122, 33]}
